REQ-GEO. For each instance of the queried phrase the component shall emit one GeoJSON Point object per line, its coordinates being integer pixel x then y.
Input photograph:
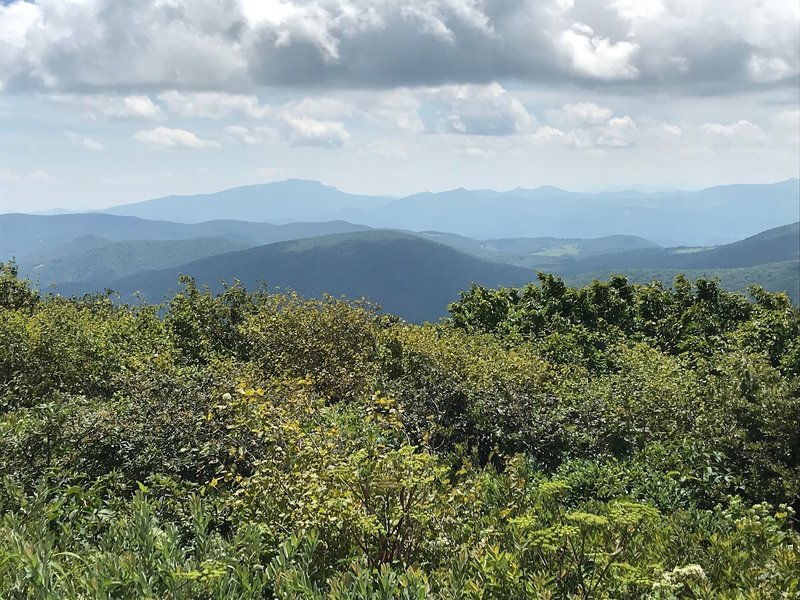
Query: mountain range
{"type": "Point", "coordinates": [409, 274]}
{"type": "Point", "coordinates": [710, 216]}
{"type": "Point", "coordinates": [413, 273]}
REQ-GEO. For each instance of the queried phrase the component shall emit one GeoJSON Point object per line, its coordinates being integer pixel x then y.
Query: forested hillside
{"type": "Point", "coordinates": [22, 235]}
{"type": "Point", "coordinates": [408, 276]}
{"type": "Point", "coordinates": [611, 441]}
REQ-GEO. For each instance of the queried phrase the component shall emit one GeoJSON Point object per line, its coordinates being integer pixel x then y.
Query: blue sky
{"type": "Point", "coordinates": [109, 101]}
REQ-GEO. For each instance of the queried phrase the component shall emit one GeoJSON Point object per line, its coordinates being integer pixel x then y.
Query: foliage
{"type": "Point", "coordinates": [613, 441]}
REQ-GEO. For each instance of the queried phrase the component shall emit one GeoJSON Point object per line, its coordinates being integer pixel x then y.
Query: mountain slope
{"type": "Point", "coordinates": [774, 245]}
{"type": "Point", "coordinates": [410, 277]}
{"type": "Point", "coordinates": [98, 260]}
{"type": "Point", "coordinates": [22, 235]}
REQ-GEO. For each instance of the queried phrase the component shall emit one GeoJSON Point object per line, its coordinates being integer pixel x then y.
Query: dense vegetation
{"type": "Point", "coordinates": [612, 441]}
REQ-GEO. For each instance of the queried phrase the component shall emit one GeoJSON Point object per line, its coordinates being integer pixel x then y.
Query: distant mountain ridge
{"type": "Point", "coordinates": [285, 200]}
{"type": "Point", "coordinates": [706, 217]}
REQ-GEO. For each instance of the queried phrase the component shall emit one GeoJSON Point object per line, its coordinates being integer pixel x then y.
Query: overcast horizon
{"type": "Point", "coordinates": [104, 103]}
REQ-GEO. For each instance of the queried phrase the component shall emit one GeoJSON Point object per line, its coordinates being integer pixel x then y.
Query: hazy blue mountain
{"type": "Point", "coordinates": [707, 217]}
{"type": "Point", "coordinates": [22, 234]}
{"type": "Point", "coordinates": [293, 200]}
{"type": "Point", "coordinates": [410, 277]}
{"type": "Point", "coordinates": [773, 245]}
{"type": "Point", "coordinates": [99, 260]}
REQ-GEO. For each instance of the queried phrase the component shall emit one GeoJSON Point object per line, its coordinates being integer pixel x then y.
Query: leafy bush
{"type": "Point", "coordinates": [613, 441]}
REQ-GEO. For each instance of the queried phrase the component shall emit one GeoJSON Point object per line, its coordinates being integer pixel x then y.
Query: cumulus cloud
{"type": "Point", "coordinates": [582, 113]}
{"type": "Point", "coordinates": [480, 110]}
{"type": "Point", "coordinates": [102, 107]}
{"type": "Point", "coordinates": [236, 46]}
{"type": "Point", "coordinates": [213, 105]}
{"type": "Point", "coordinates": [172, 138]}
{"type": "Point", "coordinates": [618, 132]}
{"type": "Point", "coordinates": [588, 125]}
{"type": "Point", "coordinates": [82, 141]}
{"type": "Point", "coordinates": [741, 134]}
{"type": "Point", "coordinates": [251, 136]}
{"type": "Point", "coordinates": [307, 131]}
{"type": "Point", "coordinates": [598, 57]}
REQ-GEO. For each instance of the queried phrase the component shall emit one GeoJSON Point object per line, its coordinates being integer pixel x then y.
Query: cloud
{"type": "Point", "coordinates": [618, 132]}
{"type": "Point", "coordinates": [94, 45]}
{"type": "Point", "coordinates": [588, 125]}
{"type": "Point", "coordinates": [740, 134]}
{"type": "Point", "coordinates": [251, 136]}
{"type": "Point", "coordinates": [598, 57]}
{"type": "Point", "coordinates": [80, 141]}
{"type": "Point", "coordinates": [582, 113]}
{"type": "Point", "coordinates": [789, 119]}
{"type": "Point", "coordinates": [481, 110]}
{"type": "Point", "coordinates": [172, 138]}
{"type": "Point", "coordinates": [213, 105]}
{"type": "Point", "coordinates": [306, 131]}
{"type": "Point", "coordinates": [110, 107]}
{"type": "Point", "coordinates": [238, 46]}
{"type": "Point", "coordinates": [547, 134]}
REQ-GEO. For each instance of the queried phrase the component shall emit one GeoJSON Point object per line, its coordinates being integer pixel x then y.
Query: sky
{"type": "Point", "coordinates": [104, 102]}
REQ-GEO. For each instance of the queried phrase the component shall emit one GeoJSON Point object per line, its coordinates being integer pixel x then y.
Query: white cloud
{"type": "Point", "coordinates": [598, 57]}
{"type": "Point", "coordinates": [618, 132]}
{"type": "Point", "coordinates": [547, 134]}
{"type": "Point", "coordinates": [742, 134]}
{"type": "Point", "coordinates": [81, 141]}
{"type": "Point", "coordinates": [101, 107]}
{"type": "Point", "coordinates": [251, 137]}
{"type": "Point", "coordinates": [582, 113]}
{"type": "Point", "coordinates": [320, 108]}
{"type": "Point", "coordinates": [305, 131]}
{"type": "Point", "coordinates": [481, 110]}
{"type": "Point", "coordinates": [398, 108]}
{"type": "Point", "coordinates": [768, 68]}
{"type": "Point", "coordinates": [172, 138]}
{"type": "Point", "coordinates": [213, 105]}
{"type": "Point", "coordinates": [637, 11]}
{"type": "Point", "coordinates": [132, 107]}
